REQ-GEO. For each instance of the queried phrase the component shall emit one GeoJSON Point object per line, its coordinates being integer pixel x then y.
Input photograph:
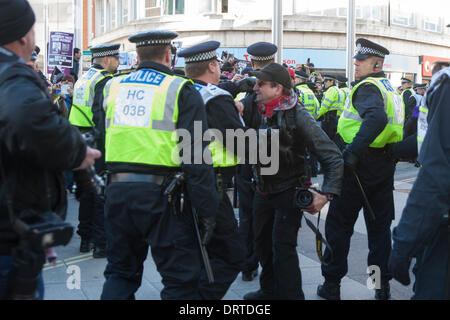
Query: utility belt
{"type": "Point", "coordinates": [224, 176]}
{"type": "Point", "coordinates": [387, 149]}
{"type": "Point", "coordinates": [137, 177]}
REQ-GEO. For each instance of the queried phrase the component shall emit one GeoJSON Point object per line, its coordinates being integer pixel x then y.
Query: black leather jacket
{"type": "Point", "coordinates": [36, 145]}
{"type": "Point", "coordinates": [302, 133]}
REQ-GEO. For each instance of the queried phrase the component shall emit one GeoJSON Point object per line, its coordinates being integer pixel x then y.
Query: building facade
{"type": "Point", "coordinates": [415, 31]}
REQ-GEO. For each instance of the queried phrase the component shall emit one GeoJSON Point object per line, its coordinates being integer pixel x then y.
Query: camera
{"type": "Point", "coordinates": [43, 230]}
{"type": "Point", "coordinates": [303, 198]}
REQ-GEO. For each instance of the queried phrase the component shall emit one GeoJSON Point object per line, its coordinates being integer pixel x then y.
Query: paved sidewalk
{"type": "Point", "coordinates": [353, 286]}
{"type": "Point", "coordinates": [58, 278]}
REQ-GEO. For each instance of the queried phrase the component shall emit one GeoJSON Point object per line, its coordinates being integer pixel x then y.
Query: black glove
{"type": "Point", "coordinates": [84, 188]}
{"type": "Point", "coordinates": [245, 85]}
{"type": "Point", "coordinates": [206, 226]}
{"type": "Point", "coordinates": [399, 267]}
{"type": "Point", "coordinates": [350, 159]}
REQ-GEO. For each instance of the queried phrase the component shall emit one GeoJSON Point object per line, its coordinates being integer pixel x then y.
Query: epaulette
{"type": "Point", "coordinates": [211, 91]}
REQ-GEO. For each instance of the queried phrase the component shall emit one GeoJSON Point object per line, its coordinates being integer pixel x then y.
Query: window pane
{"type": "Point", "coordinates": [205, 6]}
{"type": "Point", "coordinates": [224, 6]}
{"type": "Point", "coordinates": [113, 14]}
{"type": "Point", "coordinates": [125, 11]}
{"type": "Point", "coordinates": [150, 4]}
{"type": "Point", "coordinates": [152, 8]}
{"type": "Point", "coordinates": [99, 17]}
{"type": "Point", "coordinates": [168, 6]}
{"type": "Point", "coordinates": [402, 13]}
{"type": "Point", "coordinates": [179, 6]}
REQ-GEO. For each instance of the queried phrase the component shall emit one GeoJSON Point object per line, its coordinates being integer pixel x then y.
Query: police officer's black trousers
{"type": "Point", "coordinates": [246, 196]}
{"type": "Point", "coordinates": [376, 172]}
{"type": "Point", "coordinates": [225, 251]}
{"type": "Point", "coordinates": [91, 217]}
{"type": "Point", "coordinates": [432, 268]}
{"type": "Point", "coordinates": [276, 224]}
{"type": "Point", "coordinates": [138, 215]}
{"type": "Point", "coordinates": [85, 209]}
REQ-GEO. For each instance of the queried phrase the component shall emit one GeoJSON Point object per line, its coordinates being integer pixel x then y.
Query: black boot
{"type": "Point", "coordinates": [85, 245]}
{"type": "Point", "coordinates": [329, 290]}
{"type": "Point", "coordinates": [384, 293]}
{"type": "Point", "coordinates": [249, 275]}
{"type": "Point", "coordinates": [99, 252]}
{"type": "Point", "coordinates": [258, 295]}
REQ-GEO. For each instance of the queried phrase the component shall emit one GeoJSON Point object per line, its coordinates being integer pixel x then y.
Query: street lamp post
{"type": "Point", "coordinates": [277, 29]}
{"type": "Point", "coordinates": [45, 36]}
{"type": "Point", "coordinates": [351, 27]}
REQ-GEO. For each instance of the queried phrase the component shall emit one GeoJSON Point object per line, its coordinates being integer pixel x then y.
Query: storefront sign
{"type": "Point", "coordinates": [427, 64]}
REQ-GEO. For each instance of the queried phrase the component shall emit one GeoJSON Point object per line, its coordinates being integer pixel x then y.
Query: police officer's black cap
{"type": "Point", "coordinates": [420, 86]}
{"type": "Point", "coordinates": [153, 38]}
{"type": "Point", "coordinates": [105, 50]}
{"type": "Point", "coordinates": [328, 77]}
{"type": "Point", "coordinates": [366, 48]}
{"type": "Point", "coordinates": [341, 78]}
{"type": "Point", "coordinates": [404, 80]}
{"type": "Point", "coordinates": [262, 51]}
{"type": "Point", "coordinates": [204, 51]}
{"type": "Point", "coordinates": [301, 74]}
{"type": "Point", "coordinates": [311, 85]}
{"type": "Point", "coordinates": [37, 50]}
{"type": "Point", "coordinates": [179, 72]}
{"type": "Point", "coordinates": [274, 72]}
{"type": "Point", "coordinates": [16, 20]}
{"type": "Point", "coordinates": [246, 70]}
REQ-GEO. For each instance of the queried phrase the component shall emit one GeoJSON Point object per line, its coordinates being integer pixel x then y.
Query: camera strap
{"type": "Point", "coordinates": [319, 241]}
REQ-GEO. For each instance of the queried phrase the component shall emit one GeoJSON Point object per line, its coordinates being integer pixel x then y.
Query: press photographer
{"type": "Point", "coordinates": [36, 145]}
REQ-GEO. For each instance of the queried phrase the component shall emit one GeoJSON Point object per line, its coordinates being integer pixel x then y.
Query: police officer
{"type": "Point", "coordinates": [305, 94]}
{"type": "Point", "coordinates": [261, 54]}
{"type": "Point", "coordinates": [423, 231]}
{"type": "Point", "coordinates": [225, 249]}
{"type": "Point", "coordinates": [87, 101]}
{"type": "Point", "coordinates": [36, 145]}
{"type": "Point", "coordinates": [407, 92]}
{"type": "Point", "coordinates": [331, 106]}
{"type": "Point", "coordinates": [342, 84]}
{"type": "Point", "coordinates": [276, 218]}
{"type": "Point", "coordinates": [144, 111]}
{"type": "Point", "coordinates": [372, 120]}
{"type": "Point", "coordinates": [412, 110]}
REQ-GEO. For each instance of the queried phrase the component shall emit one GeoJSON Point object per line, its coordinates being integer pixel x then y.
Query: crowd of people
{"type": "Point", "coordinates": [122, 126]}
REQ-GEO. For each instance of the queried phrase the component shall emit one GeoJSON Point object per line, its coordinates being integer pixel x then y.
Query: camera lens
{"type": "Point", "coordinates": [303, 198]}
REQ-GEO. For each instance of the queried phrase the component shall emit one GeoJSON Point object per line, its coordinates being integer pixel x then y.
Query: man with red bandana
{"type": "Point", "coordinates": [276, 219]}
